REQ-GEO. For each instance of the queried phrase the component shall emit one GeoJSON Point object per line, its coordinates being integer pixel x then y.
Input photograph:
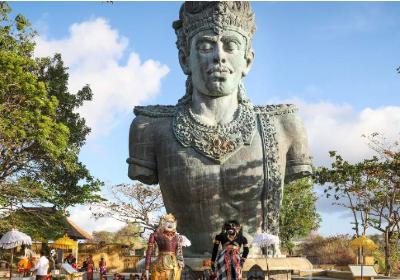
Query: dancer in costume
{"type": "Point", "coordinates": [228, 265]}
{"type": "Point", "coordinates": [169, 262]}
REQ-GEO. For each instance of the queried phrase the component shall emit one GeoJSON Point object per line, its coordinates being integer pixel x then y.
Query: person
{"type": "Point", "coordinates": [103, 277]}
{"type": "Point", "coordinates": [214, 154]}
{"type": "Point", "coordinates": [89, 267]}
{"type": "Point", "coordinates": [84, 265]}
{"type": "Point", "coordinates": [169, 262]}
{"type": "Point", "coordinates": [73, 262]}
{"type": "Point", "coordinates": [68, 259]}
{"type": "Point", "coordinates": [102, 267]}
{"type": "Point", "coordinates": [143, 276]}
{"type": "Point", "coordinates": [117, 276]}
{"type": "Point", "coordinates": [229, 263]}
{"type": "Point", "coordinates": [41, 267]}
{"type": "Point", "coordinates": [134, 277]}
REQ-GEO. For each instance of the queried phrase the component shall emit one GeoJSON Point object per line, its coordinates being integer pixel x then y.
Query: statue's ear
{"type": "Point", "coordinates": [249, 62]}
{"type": "Point", "coordinates": [184, 62]}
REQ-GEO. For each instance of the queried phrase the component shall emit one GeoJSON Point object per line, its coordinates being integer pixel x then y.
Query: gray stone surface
{"type": "Point", "coordinates": [214, 154]}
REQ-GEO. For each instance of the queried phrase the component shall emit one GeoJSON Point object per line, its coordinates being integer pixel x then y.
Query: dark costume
{"type": "Point", "coordinates": [229, 263]}
{"type": "Point", "coordinates": [169, 263]}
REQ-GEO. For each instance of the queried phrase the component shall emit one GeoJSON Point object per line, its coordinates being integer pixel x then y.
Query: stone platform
{"type": "Point", "coordinates": [256, 268]}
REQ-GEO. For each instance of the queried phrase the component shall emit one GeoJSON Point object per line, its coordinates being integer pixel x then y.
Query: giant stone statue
{"type": "Point", "coordinates": [216, 156]}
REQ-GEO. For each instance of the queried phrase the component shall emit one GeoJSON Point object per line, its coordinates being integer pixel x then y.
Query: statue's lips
{"type": "Point", "coordinates": [218, 76]}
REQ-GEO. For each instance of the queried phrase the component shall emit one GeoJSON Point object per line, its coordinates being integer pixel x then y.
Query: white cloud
{"type": "Point", "coordinates": [333, 127]}
{"type": "Point", "coordinates": [82, 216]}
{"type": "Point", "coordinates": [93, 52]}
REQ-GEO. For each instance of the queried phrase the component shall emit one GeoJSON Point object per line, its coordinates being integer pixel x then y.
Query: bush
{"type": "Point", "coordinates": [330, 250]}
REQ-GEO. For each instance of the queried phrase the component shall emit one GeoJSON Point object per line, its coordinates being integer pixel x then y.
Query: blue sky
{"type": "Point", "coordinates": [336, 60]}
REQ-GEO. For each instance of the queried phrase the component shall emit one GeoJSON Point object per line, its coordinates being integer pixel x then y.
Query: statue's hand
{"type": "Point", "coordinates": [147, 274]}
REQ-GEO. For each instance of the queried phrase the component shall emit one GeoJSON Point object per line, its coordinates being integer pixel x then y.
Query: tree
{"type": "Point", "coordinates": [298, 214]}
{"type": "Point", "coordinates": [129, 235]}
{"type": "Point", "coordinates": [347, 185]}
{"type": "Point", "coordinates": [133, 203]}
{"type": "Point", "coordinates": [103, 236]}
{"type": "Point", "coordinates": [372, 188]}
{"type": "Point", "coordinates": [40, 135]}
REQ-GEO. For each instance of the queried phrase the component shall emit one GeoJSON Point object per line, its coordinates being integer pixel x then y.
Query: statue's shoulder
{"type": "Point", "coordinates": [279, 109]}
{"type": "Point", "coordinates": [155, 111]}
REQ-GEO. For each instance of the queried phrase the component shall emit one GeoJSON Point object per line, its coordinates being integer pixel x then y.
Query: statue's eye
{"type": "Point", "coordinates": [230, 46]}
{"type": "Point", "coordinates": [205, 47]}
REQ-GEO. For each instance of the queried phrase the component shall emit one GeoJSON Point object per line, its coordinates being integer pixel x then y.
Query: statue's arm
{"type": "Point", "coordinates": [298, 162]}
{"type": "Point", "coordinates": [142, 158]}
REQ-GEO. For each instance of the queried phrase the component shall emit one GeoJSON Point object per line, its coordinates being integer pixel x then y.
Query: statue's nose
{"type": "Point", "coordinates": [219, 54]}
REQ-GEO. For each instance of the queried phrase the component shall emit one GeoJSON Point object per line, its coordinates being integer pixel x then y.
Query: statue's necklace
{"type": "Point", "coordinates": [217, 142]}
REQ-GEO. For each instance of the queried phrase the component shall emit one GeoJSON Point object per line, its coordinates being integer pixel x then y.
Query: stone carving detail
{"type": "Point", "coordinates": [155, 111]}
{"type": "Point", "coordinates": [215, 142]}
{"type": "Point", "coordinates": [280, 109]}
{"type": "Point", "coordinates": [273, 184]}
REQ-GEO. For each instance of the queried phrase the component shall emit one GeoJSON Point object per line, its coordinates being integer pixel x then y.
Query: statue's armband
{"type": "Point", "coordinates": [298, 162]}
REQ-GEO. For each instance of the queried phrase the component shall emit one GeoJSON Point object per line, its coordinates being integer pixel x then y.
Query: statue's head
{"type": "Point", "coordinates": [167, 223]}
{"type": "Point", "coordinates": [214, 43]}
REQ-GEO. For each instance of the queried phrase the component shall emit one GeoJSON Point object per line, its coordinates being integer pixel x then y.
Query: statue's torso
{"type": "Point", "coordinates": [202, 193]}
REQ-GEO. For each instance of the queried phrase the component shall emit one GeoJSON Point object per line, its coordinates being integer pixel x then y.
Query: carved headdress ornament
{"type": "Point", "coordinates": [196, 16]}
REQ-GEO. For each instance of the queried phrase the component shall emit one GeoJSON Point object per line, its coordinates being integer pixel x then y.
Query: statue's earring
{"type": "Point", "coordinates": [184, 62]}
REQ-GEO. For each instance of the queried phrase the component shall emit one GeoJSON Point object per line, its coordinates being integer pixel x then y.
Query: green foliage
{"type": "Point", "coordinates": [371, 190]}
{"type": "Point", "coordinates": [330, 250]}
{"type": "Point", "coordinates": [103, 236]}
{"type": "Point", "coordinates": [40, 134]}
{"type": "Point", "coordinates": [128, 235]}
{"type": "Point", "coordinates": [298, 214]}
{"type": "Point", "coordinates": [42, 223]}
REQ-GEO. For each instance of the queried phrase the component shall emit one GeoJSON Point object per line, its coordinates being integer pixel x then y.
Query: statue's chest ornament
{"type": "Point", "coordinates": [215, 142]}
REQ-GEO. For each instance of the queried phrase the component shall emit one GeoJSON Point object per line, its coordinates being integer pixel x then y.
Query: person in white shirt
{"type": "Point", "coordinates": [41, 267]}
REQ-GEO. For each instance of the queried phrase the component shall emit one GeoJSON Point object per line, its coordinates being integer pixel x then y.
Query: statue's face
{"type": "Point", "coordinates": [168, 224]}
{"type": "Point", "coordinates": [218, 62]}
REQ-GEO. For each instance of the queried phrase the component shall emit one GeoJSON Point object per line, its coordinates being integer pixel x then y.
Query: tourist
{"type": "Point", "coordinates": [117, 276]}
{"type": "Point", "coordinates": [84, 265]}
{"type": "Point", "coordinates": [89, 268]}
{"type": "Point", "coordinates": [41, 267]}
{"type": "Point", "coordinates": [103, 267]}
{"type": "Point", "coordinates": [143, 277]}
{"type": "Point", "coordinates": [73, 262]}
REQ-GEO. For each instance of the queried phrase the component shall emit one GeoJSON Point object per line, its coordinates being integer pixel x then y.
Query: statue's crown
{"type": "Point", "coordinates": [196, 16]}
